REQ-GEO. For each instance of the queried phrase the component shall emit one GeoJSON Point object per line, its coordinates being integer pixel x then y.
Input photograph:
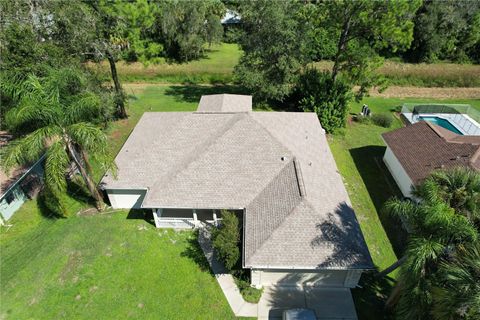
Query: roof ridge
{"type": "Point", "coordinates": [269, 133]}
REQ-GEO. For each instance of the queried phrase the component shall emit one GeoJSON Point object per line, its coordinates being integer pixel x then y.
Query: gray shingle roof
{"type": "Point", "coordinates": [276, 165]}
{"type": "Point", "coordinates": [225, 103]}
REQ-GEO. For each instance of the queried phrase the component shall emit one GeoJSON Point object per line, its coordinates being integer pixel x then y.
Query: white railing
{"type": "Point", "coordinates": [176, 223]}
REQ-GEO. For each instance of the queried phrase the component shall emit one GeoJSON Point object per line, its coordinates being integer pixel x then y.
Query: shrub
{"type": "Point", "coordinates": [382, 119]}
{"type": "Point", "coordinates": [317, 92]}
{"type": "Point", "coordinates": [226, 240]}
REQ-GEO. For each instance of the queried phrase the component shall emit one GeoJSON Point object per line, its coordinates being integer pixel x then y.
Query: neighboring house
{"type": "Point", "coordinates": [274, 169]}
{"type": "Point", "coordinates": [22, 184]}
{"type": "Point", "coordinates": [231, 18]}
{"type": "Point", "coordinates": [414, 151]}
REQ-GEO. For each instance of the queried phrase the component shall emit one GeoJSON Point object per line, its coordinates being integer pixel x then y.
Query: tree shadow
{"type": "Point", "coordinates": [371, 295]}
{"type": "Point", "coordinates": [193, 93]}
{"type": "Point", "coordinates": [195, 253]}
{"type": "Point", "coordinates": [381, 186]}
{"type": "Point", "coordinates": [342, 231]}
{"type": "Point", "coordinates": [141, 214]}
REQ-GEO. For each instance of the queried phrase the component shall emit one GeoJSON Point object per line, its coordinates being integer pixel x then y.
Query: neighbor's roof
{"type": "Point", "coordinates": [423, 147]}
{"type": "Point", "coordinates": [276, 165]}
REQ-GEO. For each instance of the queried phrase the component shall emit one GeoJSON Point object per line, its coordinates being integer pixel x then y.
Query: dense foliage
{"type": "Point", "coordinates": [446, 30]}
{"type": "Point", "coordinates": [441, 256]}
{"type": "Point", "coordinates": [226, 239]}
{"type": "Point", "coordinates": [272, 46]}
{"type": "Point", "coordinates": [317, 92]}
{"type": "Point", "coordinates": [382, 119]}
{"type": "Point", "coordinates": [55, 116]}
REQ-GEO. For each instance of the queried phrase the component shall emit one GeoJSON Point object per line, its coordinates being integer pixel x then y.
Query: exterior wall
{"type": "Point", "coordinates": [399, 174]}
{"type": "Point", "coordinates": [126, 198]}
{"type": "Point", "coordinates": [320, 278]}
{"type": "Point", "coordinates": [25, 187]}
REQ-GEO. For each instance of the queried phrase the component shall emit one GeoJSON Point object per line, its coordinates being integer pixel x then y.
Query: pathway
{"type": "Point", "coordinates": [240, 307]}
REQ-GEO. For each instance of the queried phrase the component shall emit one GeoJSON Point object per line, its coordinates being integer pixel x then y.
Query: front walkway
{"type": "Point", "coordinates": [328, 303]}
{"type": "Point", "coordinates": [240, 307]}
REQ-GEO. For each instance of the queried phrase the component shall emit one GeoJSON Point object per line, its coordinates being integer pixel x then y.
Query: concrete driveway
{"type": "Point", "coordinates": [328, 303]}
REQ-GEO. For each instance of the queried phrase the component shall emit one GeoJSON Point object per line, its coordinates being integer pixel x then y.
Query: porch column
{"type": "Point", "coordinates": [157, 213]}
{"type": "Point", "coordinates": [195, 221]}
{"type": "Point", "coordinates": [215, 218]}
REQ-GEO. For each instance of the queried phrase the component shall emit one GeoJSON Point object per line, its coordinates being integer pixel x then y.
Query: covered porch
{"type": "Point", "coordinates": [178, 218]}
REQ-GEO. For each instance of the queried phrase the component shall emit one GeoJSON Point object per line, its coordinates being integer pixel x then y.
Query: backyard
{"type": "Point", "coordinates": [77, 265]}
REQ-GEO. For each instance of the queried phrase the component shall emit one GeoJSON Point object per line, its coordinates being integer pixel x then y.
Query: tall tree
{"type": "Point", "coordinates": [184, 27]}
{"type": "Point", "coordinates": [458, 187]}
{"type": "Point", "coordinates": [436, 233]}
{"type": "Point", "coordinates": [272, 47]}
{"type": "Point", "coordinates": [363, 28]}
{"type": "Point", "coordinates": [457, 294]}
{"type": "Point", "coordinates": [55, 115]}
{"type": "Point", "coordinates": [448, 29]}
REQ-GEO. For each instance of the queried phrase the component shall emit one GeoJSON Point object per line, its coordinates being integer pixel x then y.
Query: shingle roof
{"type": "Point", "coordinates": [423, 147]}
{"type": "Point", "coordinates": [225, 103]}
{"type": "Point", "coordinates": [276, 165]}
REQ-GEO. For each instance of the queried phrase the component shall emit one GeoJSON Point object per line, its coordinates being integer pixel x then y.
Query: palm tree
{"type": "Point", "coordinates": [458, 294]}
{"type": "Point", "coordinates": [459, 187]}
{"type": "Point", "coordinates": [54, 116]}
{"type": "Point", "coordinates": [436, 233]}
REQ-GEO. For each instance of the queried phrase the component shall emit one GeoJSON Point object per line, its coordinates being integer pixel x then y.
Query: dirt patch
{"type": "Point", "coordinates": [421, 92]}
{"type": "Point", "coordinates": [73, 263]}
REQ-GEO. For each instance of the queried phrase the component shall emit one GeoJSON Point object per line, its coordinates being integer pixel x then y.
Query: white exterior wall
{"type": "Point", "coordinates": [320, 278]}
{"type": "Point", "coordinates": [126, 198]}
{"type": "Point", "coordinates": [399, 174]}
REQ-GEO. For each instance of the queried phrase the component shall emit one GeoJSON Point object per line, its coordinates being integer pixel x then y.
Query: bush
{"type": "Point", "coordinates": [226, 240]}
{"type": "Point", "coordinates": [382, 119]}
{"type": "Point", "coordinates": [317, 92]}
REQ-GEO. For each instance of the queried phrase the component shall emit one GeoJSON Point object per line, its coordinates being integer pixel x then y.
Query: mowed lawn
{"type": "Point", "coordinates": [117, 265]}
{"type": "Point", "coordinates": [108, 266]}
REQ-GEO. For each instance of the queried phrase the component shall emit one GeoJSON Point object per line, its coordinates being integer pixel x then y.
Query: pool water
{"type": "Point", "coordinates": [442, 123]}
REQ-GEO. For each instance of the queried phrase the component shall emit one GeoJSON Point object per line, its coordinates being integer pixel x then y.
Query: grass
{"type": "Point", "coordinates": [154, 273]}
{"type": "Point", "coordinates": [358, 152]}
{"type": "Point", "coordinates": [111, 266]}
{"type": "Point", "coordinates": [425, 75]}
{"type": "Point", "coordinates": [218, 64]}
{"type": "Point", "coordinates": [216, 67]}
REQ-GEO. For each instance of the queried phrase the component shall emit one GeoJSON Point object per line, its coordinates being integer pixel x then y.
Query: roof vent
{"type": "Point", "coordinates": [284, 158]}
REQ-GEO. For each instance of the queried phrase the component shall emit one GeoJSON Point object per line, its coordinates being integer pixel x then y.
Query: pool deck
{"type": "Point", "coordinates": [462, 122]}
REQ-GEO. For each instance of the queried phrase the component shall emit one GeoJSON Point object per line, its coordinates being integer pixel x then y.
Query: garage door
{"type": "Point", "coordinates": [327, 278]}
{"type": "Point", "coordinates": [126, 199]}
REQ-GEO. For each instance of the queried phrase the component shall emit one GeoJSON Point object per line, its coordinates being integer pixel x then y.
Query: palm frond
{"type": "Point", "coordinates": [89, 137]}
{"type": "Point", "coordinates": [28, 148]}
{"type": "Point", "coordinates": [85, 107]}
{"type": "Point", "coordinates": [56, 164]}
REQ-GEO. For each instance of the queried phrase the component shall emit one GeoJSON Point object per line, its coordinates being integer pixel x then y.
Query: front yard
{"type": "Point", "coordinates": [109, 266]}
{"type": "Point", "coordinates": [117, 265]}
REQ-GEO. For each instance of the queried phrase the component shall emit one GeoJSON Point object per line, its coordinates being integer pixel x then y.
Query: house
{"type": "Point", "coordinates": [18, 186]}
{"type": "Point", "coordinates": [274, 169]}
{"type": "Point", "coordinates": [414, 151]}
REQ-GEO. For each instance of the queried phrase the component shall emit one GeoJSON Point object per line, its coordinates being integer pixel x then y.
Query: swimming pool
{"type": "Point", "coordinates": [442, 123]}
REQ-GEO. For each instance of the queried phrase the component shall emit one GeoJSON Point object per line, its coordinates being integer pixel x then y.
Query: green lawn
{"type": "Point", "coordinates": [111, 266]}
{"type": "Point", "coordinates": [216, 67]}
{"type": "Point", "coordinates": [219, 60]}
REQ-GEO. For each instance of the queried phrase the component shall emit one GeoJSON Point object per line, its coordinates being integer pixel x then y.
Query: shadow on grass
{"type": "Point", "coordinates": [371, 295]}
{"type": "Point", "coordinates": [193, 93]}
{"type": "Point", "coordinates": [195, 253]}
{"type": "Point", "coordinates": [53, 207]}
{"type": "Point", "coordinates": [381, 186]}
{"type": "Point", "coordinates": [141, 214]}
